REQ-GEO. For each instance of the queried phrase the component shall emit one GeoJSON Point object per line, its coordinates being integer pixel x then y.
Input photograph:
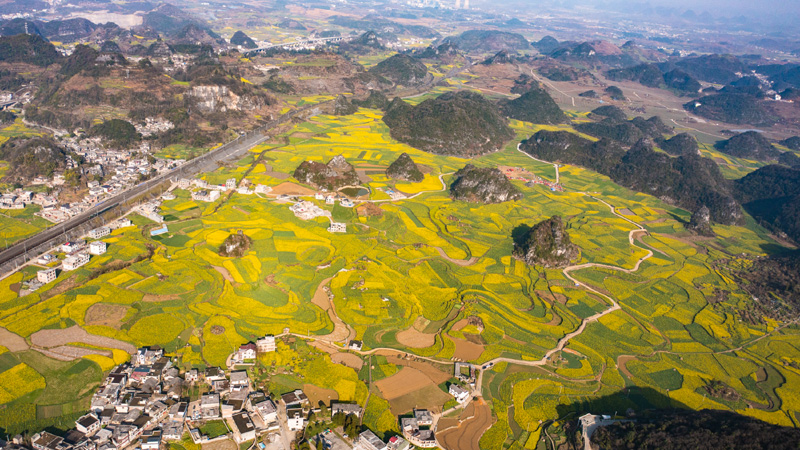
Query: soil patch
{"type": "Point", "coordinates": [316, 394]}
{"type": "Point", "coordinates": [475, 421]}
{"type": "Point", "coordinates": [413, 338]}
{"type": "Point", "coordinates": [246, 213]}
{"type": "Point", "coordinates": [405, 381]}
{"type": "Point", "coordinates": [59, 337]}
{"type": "Point", "coordinates": [152, 298]}
{"type": "Point", "coordinates": [460, 324]}
{"type": "Point", "coordinates": [429, 370]}
{"type": "Point", "coordinates": [289, 188]}
{"type": "Point", "coordinates": [106, 314]}
{"type": "Point", "coordinates": [278, 175]}
{"type": "Point", "coordinates": [429, 397]}
{"type": "Point", "coordinates": [225, 444]}
{"type": "Point", "coordinates": [348, 359]}
{"type": "Point", "coordinates": [465, 350]}
{"type": "Point", "coordinates": [13, 342]}
{"type": "Point", "coordinates": [625, 212]}
{"type": "Point", "coordinates": [217, 330]}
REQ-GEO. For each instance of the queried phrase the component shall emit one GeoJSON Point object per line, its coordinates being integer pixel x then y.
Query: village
{"type": "Point", "coordinates": [148, 403]}
{"type": "Point", "coordinates": [111, 172]}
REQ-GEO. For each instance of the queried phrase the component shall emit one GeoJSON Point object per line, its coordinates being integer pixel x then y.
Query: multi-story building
{"type": "Point", "coordinates": [97, 247]}
{"type": "Point", "coordinates": [97, 233]}
{"type": "Point", "coordinates": [75, 261]}
{"type": "Point", "coordinates": [46, 275]}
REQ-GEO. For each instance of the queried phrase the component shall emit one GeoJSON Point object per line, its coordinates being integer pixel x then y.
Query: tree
{"type": "Point", "coordinates": [351, 425]}
{"type": "Point", "coordinates": [338, 419]}
{"type": "Point", "coordinates": [323, 410]}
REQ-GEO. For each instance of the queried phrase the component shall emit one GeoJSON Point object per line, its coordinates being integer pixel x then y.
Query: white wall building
{"type": "Point", "coordinates": [75, 261]}
{"type": "Point", "coordinates": [97, 247]}
{"type": "Point", "coordinates": [46, 276]}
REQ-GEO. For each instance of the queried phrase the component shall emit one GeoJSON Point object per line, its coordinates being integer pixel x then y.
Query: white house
{"type": "Point", "coordinates": [151, 440]}
{"type": "Point", "coordinates": [97, 233]}
{"type": "Point", "coordinates": [295, 419]}
{"type": "Point", "coordinates": [88, 424]}
{"type": "Point", "coordinates": [265, 344]}
{"type": "Point", "coordinates": [230, 183]}
{"type": "Point", "coordinates": [267, 410]}
{"type": "Point", "coordinates": [245, 430]}
{"type": "Point", "coordinates": [458, 392]}
{"type": "Point", "coordinates": [245, 352]}
{"type": "Point", "coordinates": [337, 227]}
{"type": "Point", "coordinates": [97, 247]}
{"type": "Point", "coordinates": [73, 262]}
{"type": "Point", "coordinates": [46, 276]}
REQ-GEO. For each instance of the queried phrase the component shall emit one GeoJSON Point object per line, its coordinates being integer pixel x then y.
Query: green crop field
{"type": "Point", "coordinates": [404, 278]}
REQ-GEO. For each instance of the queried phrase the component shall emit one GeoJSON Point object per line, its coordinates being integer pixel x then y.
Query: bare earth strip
{"type": "Point", "coordinates": [12, 342]}
{"type": "Point", "coordinates": [224, 272]}
{"type": "Point", "coordinates": [69, 353]}
{"type": "Point", "coordinates": [55, 338]}
{"type": "Point", "coordinates": [341, 332]}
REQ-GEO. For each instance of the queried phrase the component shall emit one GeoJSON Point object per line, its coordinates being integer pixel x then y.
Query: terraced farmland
{"type": "Point", "coordinates": [407, 280]}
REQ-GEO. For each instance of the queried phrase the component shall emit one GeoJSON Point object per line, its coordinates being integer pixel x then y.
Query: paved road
{"type": "Point", "coordinates": [203, 163]}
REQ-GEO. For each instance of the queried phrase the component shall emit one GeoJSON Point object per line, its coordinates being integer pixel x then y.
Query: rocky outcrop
{"type": "Point", "coordinates": [404, 168]}
{"type": "Point", "coordinates": [700, 223]}
{"type": "Point", "coordinates": [546, 244]}
{"type": "Point", "coordinates": [375, 100]}
{"type": "Point", "coordinates": [222, 99]}
{"type": "Point", "coordinates": [337, 173]}
{"type": "Point", "coordinates": [235, 245]}
{"type": "Point", "coordinates": [484, 185]}
{"type": "Point", "coordinates": [343, 107]}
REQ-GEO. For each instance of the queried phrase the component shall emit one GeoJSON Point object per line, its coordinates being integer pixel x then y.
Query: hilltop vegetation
{"type": "Point", "coordinates": [680, 144]}
{"type": "Point", "coordinates": [32, 157]}
{"type": "Point", "coordinates": [771, 194]}
{"type": "Point", "coordinates": [403, 70]}
{"type": "Point", "coordinates": [482, 185]}
{"type": "Point", "coordinates": [28, 48]}
{"type": "Point", "coordinates": [535, 106]}
{"type": "Point", "coordinates": [335, 174]}
{"type": "Point", "coordinates": [404, 168]}
{"type": "Point", "coordinates": [459, 123]}
{"type": "Point", "coordinates": [626, 132]}
{"type": "Point", "coordinates": [651, 75]}
{"type": "Point", "coordinates": [681, 429]}
{"type": "Point", "coordinates": [546, 244]}
{"type": "Point", "coordinates": [487, 41]}
{"type": "Point", "coordinates": [243, 40]}
{"type": "Point", "coordinates": [118, 133]}
{"type": "Point", "coordinates": [732, 108]}
{"type": "Point", "coordinates": [689, 181]}
{"type": "Point", "coordinates": [749, 145]}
